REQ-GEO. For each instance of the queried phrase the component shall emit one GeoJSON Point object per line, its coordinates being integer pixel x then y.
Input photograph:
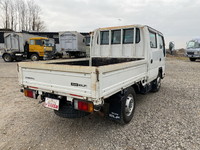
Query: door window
{"type": "Point", "coordinates": [153, 41]}
{"type": "Point", "coordinates": [161, 43]}
{"type": "Point", "coordinates": [32, 42]}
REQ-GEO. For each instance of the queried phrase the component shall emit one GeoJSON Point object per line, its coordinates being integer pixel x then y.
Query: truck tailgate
{"type": "Point", "coordinates": [79, 82]}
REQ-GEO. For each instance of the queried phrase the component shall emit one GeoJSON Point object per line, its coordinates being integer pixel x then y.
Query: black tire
{"type": "Point", "coordinates": [192, 59]}
{"type": "Point", "coordinates": [7, 58]}
{"type": "Point", "coordinates": [60, 55]}
{"type": "Point", "coordinates": [34, 57]}
{"type": "Point", "coordinates": [127, 105]}
{"type": "Point", "coordinates": [156, 84]}
{"type": "Point", "coordinates": [69, 112]}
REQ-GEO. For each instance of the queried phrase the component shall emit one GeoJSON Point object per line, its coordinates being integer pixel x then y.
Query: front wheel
{"type": "Point", "coordinates": [34, 57]}
{"type": "Point", "coordinates": [156, 84]}
{"type": "Point", "coordinates": [192, 59]}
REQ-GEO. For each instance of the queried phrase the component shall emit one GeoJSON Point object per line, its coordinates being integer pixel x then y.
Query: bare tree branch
{"type": "Point", "coordinates": [21, 15]}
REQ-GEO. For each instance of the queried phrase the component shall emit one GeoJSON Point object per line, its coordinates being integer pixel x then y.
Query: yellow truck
{"type": "Point", "coordinates": [19, 46]}
{"type": "Point", "coordinates": [39, 47]}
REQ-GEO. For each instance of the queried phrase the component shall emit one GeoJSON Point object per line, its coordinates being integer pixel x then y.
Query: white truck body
{"type": "Point", "coordinates": [111, 68]}
{"type": "Point", "coordinates": [71, 41]}
{"type": "Point", "coordinates": [50, 76]}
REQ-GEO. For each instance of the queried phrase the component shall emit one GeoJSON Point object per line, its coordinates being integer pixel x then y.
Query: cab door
{"type": "Point", "coordinates": [31, 46]}
{"type": "Point", "coordinates": [161, 42]}
{"type": "Point", "coordinates": [39, 47]}
{"type": "Point", "coordinates": [155, 55]}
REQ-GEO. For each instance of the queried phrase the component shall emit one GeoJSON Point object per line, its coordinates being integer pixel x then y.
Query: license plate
{"type": "Point", "coordinates": [51, 103]}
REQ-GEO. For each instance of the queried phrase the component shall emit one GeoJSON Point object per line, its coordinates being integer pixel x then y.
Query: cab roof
{"type": "Point", "coordinates": [119, 27]}
{"type": "Point", "coordinates": [129, 26]}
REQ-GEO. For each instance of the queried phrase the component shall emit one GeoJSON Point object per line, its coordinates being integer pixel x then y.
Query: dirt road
{"type": "Point", "coordinates": [169, 119]}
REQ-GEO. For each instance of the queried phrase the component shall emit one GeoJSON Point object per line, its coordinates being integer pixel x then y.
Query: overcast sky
{"type": "Point", "coordinates": [178, 20]}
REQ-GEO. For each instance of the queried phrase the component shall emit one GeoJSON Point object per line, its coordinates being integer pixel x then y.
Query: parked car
{"type": "Point", "coordinates": [193, 49]}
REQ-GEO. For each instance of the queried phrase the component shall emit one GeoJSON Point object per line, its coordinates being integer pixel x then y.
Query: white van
{"type": "Point", "coordinates": [193, 49]}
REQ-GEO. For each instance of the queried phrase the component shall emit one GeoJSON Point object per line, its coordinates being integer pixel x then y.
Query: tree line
{"type": "Point", "coordinates": [21, 15]}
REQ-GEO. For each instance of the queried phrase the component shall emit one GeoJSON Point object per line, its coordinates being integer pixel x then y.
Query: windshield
{"type": "Point", "coordinates": [47, 43]}
{"type": "Point", "coordinates": [193, 44]}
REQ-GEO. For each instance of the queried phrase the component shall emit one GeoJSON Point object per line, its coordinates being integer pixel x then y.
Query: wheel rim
{"type": "Point", "coordinates": [158, 82]}
{"type": "Point", "coordinates": [7, 57]}
{"type": "Point", "coordinates": [34, 58]}
{"type": "Point", "coordinates": [129, 105]}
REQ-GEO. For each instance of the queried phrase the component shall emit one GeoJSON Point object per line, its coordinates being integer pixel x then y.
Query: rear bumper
{"type": "Point", "coordinates": [69, 97]}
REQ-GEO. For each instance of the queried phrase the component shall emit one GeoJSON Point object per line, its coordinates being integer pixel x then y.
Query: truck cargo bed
{"type": "Point", "coordinates": [74, 77]}
{"type": "Point", "coordinates": [98, 61]}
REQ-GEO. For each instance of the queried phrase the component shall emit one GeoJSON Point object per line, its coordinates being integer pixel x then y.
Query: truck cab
{"type": "Point", "coordinates": [132, 41]}
{"type": "Point", "coordinates": [39, 47]}
{"type": "Point", "coordinates": [193, 49]}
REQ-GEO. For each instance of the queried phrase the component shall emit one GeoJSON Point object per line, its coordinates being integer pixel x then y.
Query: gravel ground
{"type": "Point", "coordinates": [168, 119]}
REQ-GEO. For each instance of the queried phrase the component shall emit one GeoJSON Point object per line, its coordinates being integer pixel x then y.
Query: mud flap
{"type": "Point", "coordinates": [145, 89]}
{"type": "Point", "coordinates": [115, 107]}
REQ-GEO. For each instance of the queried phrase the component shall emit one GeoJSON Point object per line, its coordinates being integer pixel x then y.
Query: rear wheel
{"type": "Point", "coordinates": [34, 57]}
{"type": "Point", "coordinates": [127, 105]}
{"type": "Point", "coordinates": [192, 59]}
{"type": "Point", "coordinates": [156, 84]}
{"type": "Point", "coordinates": [7, 58]}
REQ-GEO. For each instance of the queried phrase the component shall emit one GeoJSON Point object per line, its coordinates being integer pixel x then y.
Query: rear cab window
{"type": "Point", "coordinates": [104, 37]}
{"type": "Point", "coordinates": [137, 35]}
{"type": "Point", "coordinates": [128, 36]}
{"type": "Point", "coordinates": [116, 37]}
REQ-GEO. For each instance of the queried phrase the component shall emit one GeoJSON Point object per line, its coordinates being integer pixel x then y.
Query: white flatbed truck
{"type": "Point", "coordinates": [124, 60]}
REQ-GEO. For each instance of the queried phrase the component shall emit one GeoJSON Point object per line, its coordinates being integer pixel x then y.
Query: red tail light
{"type": "Point", "coordinates": [84, 106]}
{"type": "Point", "coordinates": [29, 93]}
